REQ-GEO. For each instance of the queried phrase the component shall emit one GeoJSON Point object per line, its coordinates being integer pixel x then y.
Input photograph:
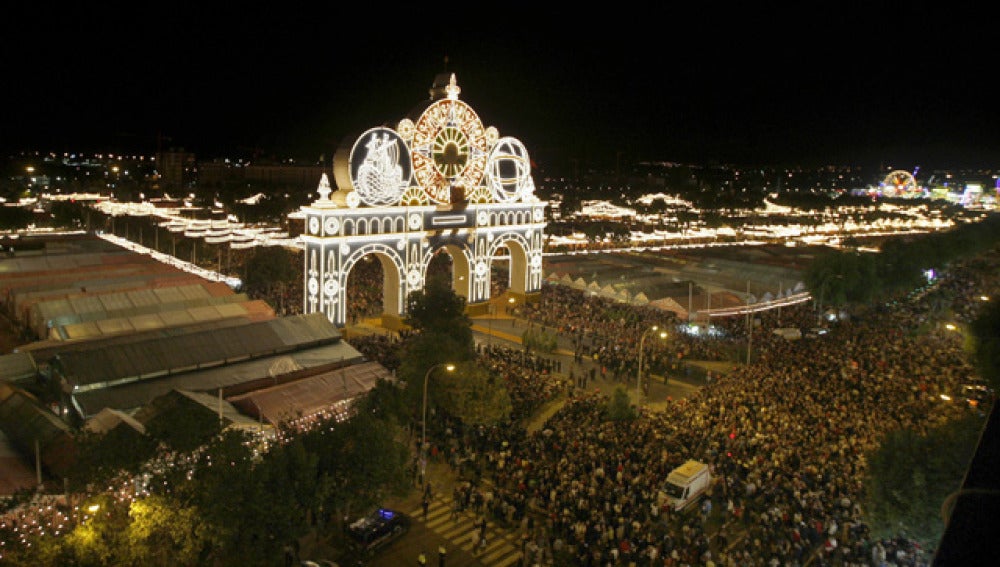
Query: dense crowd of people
{"type": "Point", "coordinates": [607, 332]}
{"type": "Point", "coordinates": [785, 436]}
{"type": "Point", "coordinates": [364, 282]}
{"type": "Point", "coordinates": [531, 380]}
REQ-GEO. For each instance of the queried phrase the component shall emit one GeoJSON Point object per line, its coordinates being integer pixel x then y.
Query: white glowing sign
{"type": "Point", "coordinates": [380, 167]}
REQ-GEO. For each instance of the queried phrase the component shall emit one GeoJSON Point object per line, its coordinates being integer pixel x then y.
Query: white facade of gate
{"type": "Point", "coordinates": [403, 194]}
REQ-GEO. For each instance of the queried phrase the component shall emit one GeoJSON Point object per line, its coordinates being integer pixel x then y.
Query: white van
{"type": "Point", "coordinates": [686, 484]}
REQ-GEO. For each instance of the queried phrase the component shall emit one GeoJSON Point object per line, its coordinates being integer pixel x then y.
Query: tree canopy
{"type": "Point", "coordinates": [443, 334]}
{"type": "Point", "coordinates": [474, 394]}
{"type": "Point", "coordinates": [851, 276]}
{"type": "Point", "coordinates": [270, 266]}
{"type": "Point", "coordinates": [911, 475]}
{"type": "Point", "coordinates": [619, 407]}
{"type": "Point", "coordinates": [986, 336]}
{"type": "Point", "coordinates": [437, 308]}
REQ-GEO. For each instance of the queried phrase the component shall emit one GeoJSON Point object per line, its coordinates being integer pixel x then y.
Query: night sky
{"type": "Point", "coordinates": [841, 85]}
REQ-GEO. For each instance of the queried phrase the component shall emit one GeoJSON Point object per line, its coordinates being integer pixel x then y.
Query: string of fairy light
{"type": "Point", "coordinates": [52, 515]}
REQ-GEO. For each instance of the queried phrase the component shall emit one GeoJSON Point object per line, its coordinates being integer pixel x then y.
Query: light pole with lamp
{"type": "Point", "coordinates": [822, 289]}
{"type": "Point", "coordinates": [642, 340]}
{"type": "Point", "coordinates": [423, 436]}
{"type": "Point", "coordinates": [491, 309]}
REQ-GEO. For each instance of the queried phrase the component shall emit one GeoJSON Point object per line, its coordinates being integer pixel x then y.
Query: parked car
{"type": "Point", "coordinates": [377, 529]}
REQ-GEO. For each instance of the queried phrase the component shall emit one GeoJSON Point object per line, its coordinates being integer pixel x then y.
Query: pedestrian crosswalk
{"type": "Point", "coordinates": [461, 528]}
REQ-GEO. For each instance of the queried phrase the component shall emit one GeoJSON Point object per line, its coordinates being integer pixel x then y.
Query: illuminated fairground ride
{"type": "Point", "coordinates": [900, 183]}
{"type": "Point", "coordinates": [439, 181]}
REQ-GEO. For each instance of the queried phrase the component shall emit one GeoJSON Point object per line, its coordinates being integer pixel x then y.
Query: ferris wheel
{"type": "Point", "coordinates": [900, 183]}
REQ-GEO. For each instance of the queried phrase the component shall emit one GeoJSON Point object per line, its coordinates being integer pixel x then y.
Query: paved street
{"type": "Point", "coordinates": [454, 531]}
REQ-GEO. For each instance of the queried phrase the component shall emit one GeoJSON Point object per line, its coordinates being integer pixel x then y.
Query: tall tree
{"type": "Point", "coordinates": [910, 476]}
{"type": "Point", "coordinates": [360, 461]}
{"type": "Point", "coordinates": [444, 335]}
{"type": "Point", "coordinates": [251, 506]}
{"type": "Point", "coordinates": [473, 394]}
{"type": "Point", "coordinates": [838, 277]}
{"type": "Point", "coordinates": [619, 407]}
{"type": "Point", "coordinates": [437, 308]}
{"type": "Point", "coordinates": [66, 214]}
{"type": "Point", "coordinates": [162, 532]}
{"type": "Point", "coordinates": [101, 457]}
{"type": "Point", "coordinates": [271, 268]}
{"type": "Point", "coordinates": [183, 427]}
{"type": "Point", "coordinates": [986, 336]}
{"type": "Point", "coordinates": [14, 218]}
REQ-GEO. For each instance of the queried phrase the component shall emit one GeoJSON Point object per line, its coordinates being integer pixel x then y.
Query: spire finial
{"type": "Point", "coordinates": [452, 89]}
{"type": "Point", "coordinates": [324, 189]}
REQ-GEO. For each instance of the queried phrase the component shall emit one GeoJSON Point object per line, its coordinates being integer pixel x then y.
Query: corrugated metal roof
{"type": "Point", "coordinates": [127, 397]}
{"type": "Point", "coordinates": [229, 310]}
{"type": "Point", "coordinates": [17, 366]}
{"type": "Point", "coordinates": [56, 262]}
{"type": "Point", "coordinates": [113, 326]}
{"type": "Point", "coordinates": [191, 292]}
{"type": "Point", "coordinates": [145, 322]}
{"type": "Point", "coordinates": [139, 298]}
{"type": "Point", "coordinates": [110, 364]}
{"type": "Point", "coordinates": [177, 318]}
{"type": "Point", "coordinates": [312, 394]}
{"type": "Point", "coordinates": [112, 302]}
{"type": "Point", "coordinates": [108, 419]}
{"type": "Point", "coordinates": [211, 403]}
{"type": "Point", "coordinates": [170, 294]}
{"type": "Point", "coordinates": [15, 473]}
{"type": "Point", "coordinates": [74, 278]}
{"type": "Point", "coordinates": [45, 351]}
{"type": "Point", "coordinates": [43, 312]}
{"type": "Point", "coordinates": [120, 305]}
{"type": "Point", "coordinates": [204, 313]}
{"type": "Point", "coordinates": [78, 304]}
{"type": "Point", "coordinates": [305, 330]}
{"type": "Point", "coordinates": [259, 310]}
{"type": "Point", "coordinates": [23, 419]}
{"type": "Point", "coordinates": [24, 422]}
{"type": "Point", "coordinates": [26, 304]}
{"type": "Point", "coordinates": [79, 331]}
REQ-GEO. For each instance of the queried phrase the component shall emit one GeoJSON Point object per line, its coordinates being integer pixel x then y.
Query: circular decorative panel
{"type": "Point", "coordinates": [380, 167]}
{"type": "Point", "coordinates": [508, 170]}
{"type": "Point", "coordinates": [449, 149]}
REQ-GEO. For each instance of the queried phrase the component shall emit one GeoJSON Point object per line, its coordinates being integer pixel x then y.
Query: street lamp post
{"type": "Point", "coordinates": [642, 340]}
{"type": "Point", "coordinates": [423, 435]}
{"type": "Point", "coordinates": [822, 289]}
{"type": "Point", "coordinates": [490, 311]}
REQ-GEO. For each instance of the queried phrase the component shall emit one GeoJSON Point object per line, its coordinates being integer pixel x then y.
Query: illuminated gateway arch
{"type": "Point", "coordinates": [439, 181]}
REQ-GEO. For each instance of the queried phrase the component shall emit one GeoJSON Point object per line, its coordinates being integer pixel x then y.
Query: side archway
{"type": "Point", "coordinates": [392, 275]}
{"type": "Point", "coordinates": [518, 247]}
